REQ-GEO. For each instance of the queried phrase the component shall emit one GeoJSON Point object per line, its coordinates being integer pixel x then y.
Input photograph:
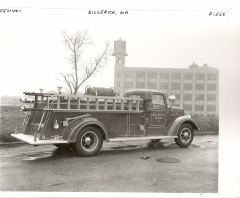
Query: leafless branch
{"type": "Point", "coordinates": [67, 81]}
{"type": "Point", "coordinates": [81, 71]}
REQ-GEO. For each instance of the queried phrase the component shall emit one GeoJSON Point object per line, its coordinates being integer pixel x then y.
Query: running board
{"type": "Point", "coordinates": [140, 138]}
{"type": "Point", "coordinates": [30, 140]}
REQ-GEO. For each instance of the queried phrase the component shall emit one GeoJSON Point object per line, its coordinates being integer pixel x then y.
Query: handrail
{"type": "Point", "coordinates": [95, 102]}
{"type": "Point", "coordinates": [26, 116]}
{"type": "Point", "coordinates": [92, 97]}
{"type": "Point", "coordinates": [81, 96]}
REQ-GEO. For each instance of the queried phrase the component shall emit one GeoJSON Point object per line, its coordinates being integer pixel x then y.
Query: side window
{"type": "Point", "coordinates": [119, 61]}
{"type": "Point", "coordinates": [158, 101]}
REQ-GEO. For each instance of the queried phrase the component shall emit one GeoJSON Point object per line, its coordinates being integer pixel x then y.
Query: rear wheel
{"type": "Point", "coordinates": [89, 142]}
{"type": "Point", "coordinates": [63, 146]}
{"type": "Point", "coordinates": [157, 140]}
{"type": "Point", "coordinates": [185, 135]}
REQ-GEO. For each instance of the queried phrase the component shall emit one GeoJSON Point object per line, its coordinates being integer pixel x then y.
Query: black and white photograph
{"type": "Point", "coordinates": [119, 98]}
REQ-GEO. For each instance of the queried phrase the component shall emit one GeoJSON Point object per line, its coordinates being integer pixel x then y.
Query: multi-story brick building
{"type": "Point", "coordinates": [196, 88]}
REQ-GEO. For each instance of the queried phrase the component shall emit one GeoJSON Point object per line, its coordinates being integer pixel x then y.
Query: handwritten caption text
{"type": "Point", "coordinates": [106, 12]}
{"type": "Point", "coordinates": [10, 10]}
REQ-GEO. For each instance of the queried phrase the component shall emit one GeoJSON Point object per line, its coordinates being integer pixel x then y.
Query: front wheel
{"type": "Point", "coordinates": [89, 142]}
{"type": "Point", "coordinates": [185, 135]}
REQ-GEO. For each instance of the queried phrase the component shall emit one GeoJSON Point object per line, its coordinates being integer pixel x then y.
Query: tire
{"type": "Point", "coordinates": [157, 140]}
{"type": "Point", "coordinates": [63, 146]}
{"type": "Point", "coordinates": [89, 142]}
{"type": "Point", "coordinates": [185, 136]}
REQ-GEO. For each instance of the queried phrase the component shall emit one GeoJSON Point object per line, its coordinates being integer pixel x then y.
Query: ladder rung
{"type": "Point", "coordinates": [36, 125]}
{"type": "Point", "coordinates": [96, 103]}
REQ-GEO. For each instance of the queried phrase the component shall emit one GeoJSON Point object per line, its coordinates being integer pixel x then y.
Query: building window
{"type": "Point", "coordinates": [163, 86]}
{"type": "Point", "coordinates": [175, 86]}
{"type": "Point", "coordinates": [128, 74]}
{"type": "Point", "coordinates": [211, 108]}
{"type": "Point", "coordinates": [187, 97]}
{"type": "Point", "coordinates": [119, 61]}
{"type": "Point", "coordinates": [212, 76]}
{"type": "Point", "coordinates": [164, 75]}
{"type": "Point", "coordinates": [177, 96]}
{"type": "Point", "coordinates": [152, 75]}
{"type": "Point", "coordinates": [199, 86]}
{"type": "Point", "coordinates": [176, 76]}
{"type": "Point", "coordinates": [199, 76]}
{"type": "Point", "coordinates": [211, 97]}
{"type": "Point", "coordinates": [128, 84]}
{"type": "Point", "coordinates": [188, 76]}
{"type": "Point", "coordinates": [140, 75]}
{"type": "Point", "coordinates": [187, 86]}
{"type": "Point", "coordinates": [187, 107]}
{"type": "Point", "coordinates": [119, 75]}
{"type": "Point", "coordinates": [199, 107]}
{"type": "Point", "coordinates": [211, 87]}
{"type": "Point", "coordinates": [140, 85]}
{"type": "Point", "coordinates": [199, 97]}
{"type": "Point", "coordinates": [152, 85]}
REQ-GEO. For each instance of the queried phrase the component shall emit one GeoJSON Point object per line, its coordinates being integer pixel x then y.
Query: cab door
{"type": "Point", "coordinates": [157, 117]}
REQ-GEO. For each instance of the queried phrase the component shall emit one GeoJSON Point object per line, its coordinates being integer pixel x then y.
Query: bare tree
{"type": "Point", "coordinates": [80, 70]}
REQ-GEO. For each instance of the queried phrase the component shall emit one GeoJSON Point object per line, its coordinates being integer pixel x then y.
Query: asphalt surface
{"type": "Point", "coordinates": [139, 166]}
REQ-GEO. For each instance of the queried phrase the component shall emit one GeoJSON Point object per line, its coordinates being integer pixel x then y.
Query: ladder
{"type": "Point", "coordinates": [108, 103]}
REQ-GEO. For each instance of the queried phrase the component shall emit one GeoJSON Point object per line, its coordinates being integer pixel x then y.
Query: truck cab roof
{"type": "Point", "coordinates": [143, 93]}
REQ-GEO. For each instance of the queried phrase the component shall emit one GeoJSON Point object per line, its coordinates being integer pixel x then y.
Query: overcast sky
{"type": "Point", "coordinates": [158, 35]}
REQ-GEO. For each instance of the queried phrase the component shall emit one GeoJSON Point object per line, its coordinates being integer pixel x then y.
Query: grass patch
{"type": "Point", "coordinates": [207, 124]}
{"type": "Point", "coordinates": [10, 118]}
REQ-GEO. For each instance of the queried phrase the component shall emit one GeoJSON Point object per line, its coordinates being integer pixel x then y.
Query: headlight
{"type": "Point", "coordinates": [189, 116]}
{"type": "Point", "coordinates": [55, 125]}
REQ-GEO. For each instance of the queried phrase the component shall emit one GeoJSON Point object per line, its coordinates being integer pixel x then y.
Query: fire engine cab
{"type": "Point", "coordinates": [82, 122]}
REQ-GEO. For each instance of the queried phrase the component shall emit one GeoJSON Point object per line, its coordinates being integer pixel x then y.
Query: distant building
{"type": "Point", "coordinates": [196, 88]}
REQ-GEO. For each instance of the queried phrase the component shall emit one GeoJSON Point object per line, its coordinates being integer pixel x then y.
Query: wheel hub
{"type": "Point", "coordinates": [87, 141]}
{"type": "Point", "coordinates": [186, 135]}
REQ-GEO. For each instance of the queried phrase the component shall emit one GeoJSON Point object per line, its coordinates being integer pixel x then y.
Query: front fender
{"type": "Point", "coordinates": [74, 130]}
{"type": "Point", "coordinates": [173, 127]}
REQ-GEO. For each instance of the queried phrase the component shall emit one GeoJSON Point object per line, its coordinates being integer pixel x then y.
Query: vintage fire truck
{"type": "Point", "coordinates": [82, 122]}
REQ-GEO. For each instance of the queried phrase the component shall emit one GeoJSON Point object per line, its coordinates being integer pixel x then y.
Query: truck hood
{"type": "Point", "coordinates": [178, 110]}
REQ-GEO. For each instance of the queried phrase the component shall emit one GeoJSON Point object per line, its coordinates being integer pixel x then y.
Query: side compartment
{"type": "Point", "coordinates": [112, 125]}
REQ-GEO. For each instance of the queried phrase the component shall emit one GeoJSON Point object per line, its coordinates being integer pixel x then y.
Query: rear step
{"type": "Point", "coordinates": [30, 139]}
{"type": "Point", "coordinates": [37, 125]}
{"type": "Point", "coordinates": [140, 138]}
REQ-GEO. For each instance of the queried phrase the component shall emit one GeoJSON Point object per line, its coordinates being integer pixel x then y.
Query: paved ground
{"type": "Point", "coordinates": [120, 167]}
